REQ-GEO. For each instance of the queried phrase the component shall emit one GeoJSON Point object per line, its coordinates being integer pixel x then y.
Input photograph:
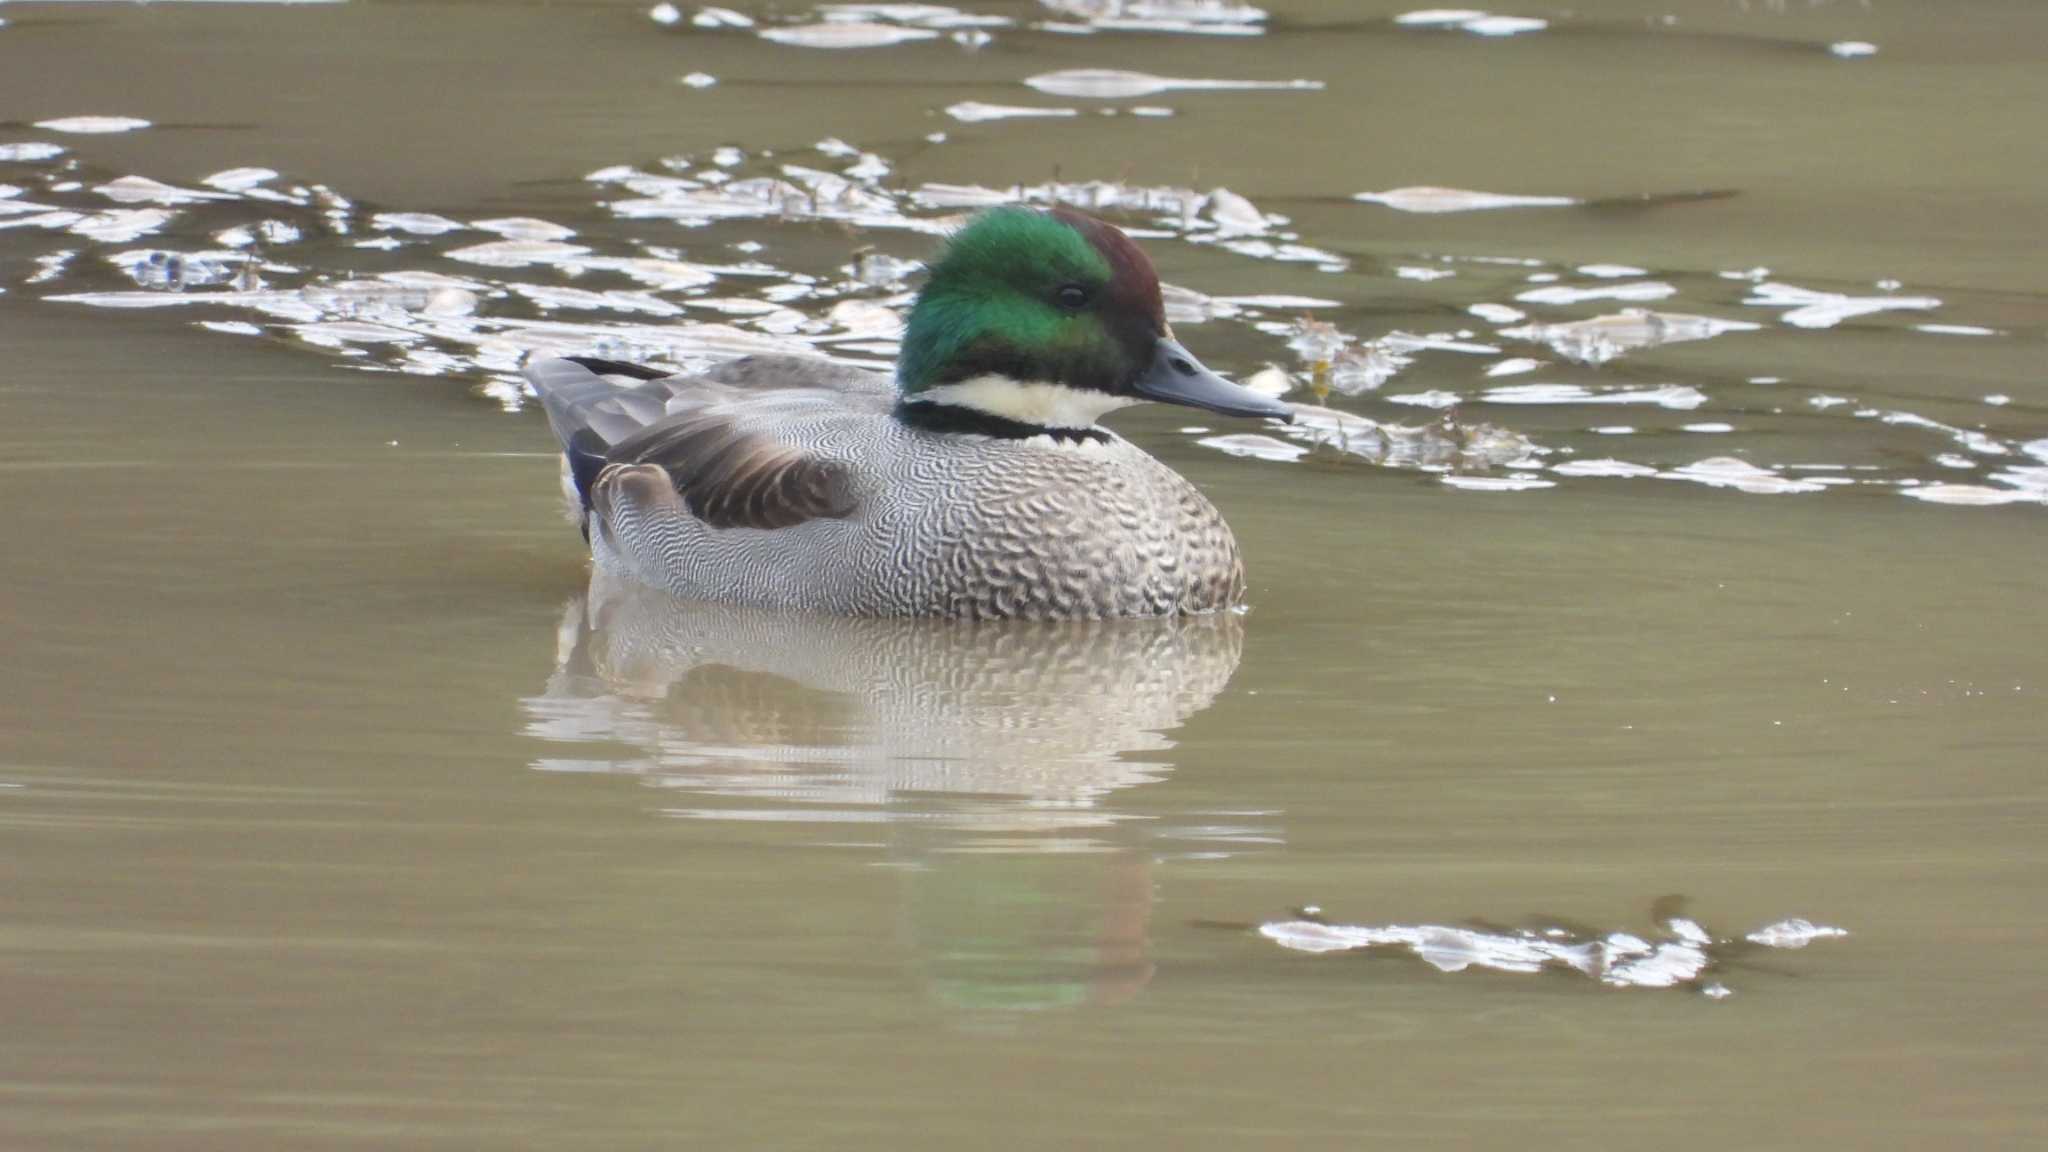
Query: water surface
{"type": "Point", "coordinates": [1659, 562]}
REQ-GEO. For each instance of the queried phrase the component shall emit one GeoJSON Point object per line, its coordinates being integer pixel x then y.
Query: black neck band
{"type": "Point", "coordinates": [930, 416]}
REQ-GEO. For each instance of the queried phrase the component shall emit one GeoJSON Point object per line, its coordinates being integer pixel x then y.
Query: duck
{"type": "Point", "coordinates": [977, 483]}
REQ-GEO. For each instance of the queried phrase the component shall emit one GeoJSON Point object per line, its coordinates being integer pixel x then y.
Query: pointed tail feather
{"type": "Point", "coordinates": [583, 410]}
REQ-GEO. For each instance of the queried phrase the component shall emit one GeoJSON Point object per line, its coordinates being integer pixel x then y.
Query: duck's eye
{"type": "Point", "coordinates": [1072, 296]}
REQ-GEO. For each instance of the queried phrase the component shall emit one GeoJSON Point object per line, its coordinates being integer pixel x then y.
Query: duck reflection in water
{"type": "Point", "coordinates": [990, 755]}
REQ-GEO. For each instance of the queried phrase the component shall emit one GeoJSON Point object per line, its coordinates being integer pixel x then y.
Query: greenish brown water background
{"type": "Point", "coordinates": [336, 815]}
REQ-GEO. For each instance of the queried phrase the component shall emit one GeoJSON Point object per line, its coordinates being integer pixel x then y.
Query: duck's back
{"type": "Point", "coordinates": [787, 482]}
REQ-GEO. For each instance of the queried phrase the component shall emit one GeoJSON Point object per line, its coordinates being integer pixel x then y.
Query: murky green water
{"type": "Point", "coordinates": [340, 813]}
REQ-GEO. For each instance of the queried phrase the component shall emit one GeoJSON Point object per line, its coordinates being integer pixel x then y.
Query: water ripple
{"type": "Point", "coordinates": [396, 288]}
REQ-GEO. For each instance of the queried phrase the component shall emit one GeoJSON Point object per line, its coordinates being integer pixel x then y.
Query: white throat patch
{"type": "Point", "coordinates": [1029, 402]}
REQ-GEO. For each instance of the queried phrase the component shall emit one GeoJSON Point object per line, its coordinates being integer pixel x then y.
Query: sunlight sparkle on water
{"type": "Point", "coordinates": [1617, 959]}
{"type": "Point", "coordinates": [530, 285]}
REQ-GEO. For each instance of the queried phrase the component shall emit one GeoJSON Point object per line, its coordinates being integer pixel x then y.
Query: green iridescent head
{"type": "Point", "coordinates": [1051, 318]}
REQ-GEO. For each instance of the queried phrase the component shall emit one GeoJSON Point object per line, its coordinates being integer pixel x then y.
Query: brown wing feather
{"type": "Point", "coordinates": [733, 479]}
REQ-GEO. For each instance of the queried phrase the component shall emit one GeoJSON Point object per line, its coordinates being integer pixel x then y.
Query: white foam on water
{"type": "Point", "coordinates": [1114, 84]}
{"type": "Point", "coordinates": [1638, 291]}
{"type": "Point", "coordinates": [976, 112]}
{"type": "Point", "coordinates": [1255, 446]}
{"type": "Point", "coordinates": [1431, 399]}
{"type": "Point", "coordinates": [1272, 380]}
{"type": "Point", "coordinates": [1443, 445]}
{"type": "Point", "coordinates": [1603, 338]}
{"type": "Point", "coordinates": [121, 225]}
{"type": "Point", "coordinates": [1279, 302]}
{"type": "Point", "coordinates": [1969, 438]}
{"type": "Point", "coordinates": [721, 18]}
{"type": "Point", "coordinates": [569, 297]}
{"type": "Point", "coordinates": [517, 253]}
{"type": "Point", "coordinates": [1810, 308]}
{"type": "Point", "coordinates": [524, 228]}
{"type": "Point", "coordinates": [1431, 200]}
{"type": "Point", "coordinates": [143, 190]}
{"type": "Point", "coordinates": [415, 223]}
{"type": "Point", "coordinates": [1742, 476]}
{"type": "Point", "coordinates": [1496, 313]}
{"type": "Point", "coordinates": [839, 35]}
{"type": "Point", "coordinates": [1473, 20]}
{"type": "Point", "coordinates": [239, 179]}
{"type": "Point", "coordinates": [1676, 397]}
{"type": "Point", "coordinates": [231, 327]}
{"type": "Point", "coordinates": [1504, 25]}
{"type": "Point", "coordinates": [93, 125]}
{"type": "Point", "coordinates": [1438, 17]}
{"type": "Point", "coordinates": [1617, 959]}
{"type": "Point", "coordinates": [1605, 467]}
{"type": "Point", "coordinates": [1513, 483]}
{"type": "Point", "coordinates": [29, 151]}
{"type": "Point", "coordinates": [1795, 933]}
{"type": "Point", "coordinates": [1970, 495]}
